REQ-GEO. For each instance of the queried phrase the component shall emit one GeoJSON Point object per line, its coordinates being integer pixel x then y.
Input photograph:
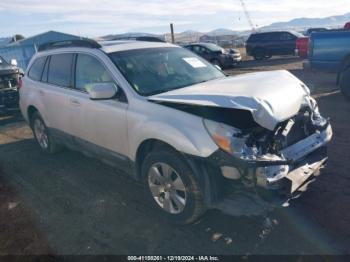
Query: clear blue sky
{"type": "Point", "coordinates": [101, 17]}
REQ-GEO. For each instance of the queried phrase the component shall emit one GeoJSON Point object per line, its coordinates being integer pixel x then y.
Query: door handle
{"type": "Point", "coordinates": [41, 93]}
{"type": "Point", "coordinates": [74, 102]}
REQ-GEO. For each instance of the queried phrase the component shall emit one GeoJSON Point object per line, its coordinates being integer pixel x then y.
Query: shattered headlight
{"type": "Point", "coordinates": [230, 139]}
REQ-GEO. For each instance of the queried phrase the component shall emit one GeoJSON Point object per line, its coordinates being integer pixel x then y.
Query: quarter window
{"type": "Point", "coordinates": [60, 70]}
{"type": "Point", "coordinates": [286, 37]}
{"type": "Point", "coordinates": [89, 71]}
{"type": "Point", "coordinates": [36, 70]}
{"type": "Point", "coordinates": [200, 50]}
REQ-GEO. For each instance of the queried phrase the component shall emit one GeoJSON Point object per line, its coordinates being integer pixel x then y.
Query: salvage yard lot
{"type": "Point", "coordinates": [70, 204]}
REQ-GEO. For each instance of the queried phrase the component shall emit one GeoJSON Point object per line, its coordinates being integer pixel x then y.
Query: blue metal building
{"type": "Point", "coordinates": [23, 50]}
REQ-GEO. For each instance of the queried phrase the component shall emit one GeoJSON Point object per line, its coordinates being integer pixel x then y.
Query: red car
{"type": "Point", "coordinates": [302, 47]}
{"type": "Point", "coordinates": [347, 26]}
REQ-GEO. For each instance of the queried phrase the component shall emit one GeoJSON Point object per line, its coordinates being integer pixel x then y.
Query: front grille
{"type": "Point", "coordinates": [8, 81]}
{"type": "Point", "coordinates": [9, 99]}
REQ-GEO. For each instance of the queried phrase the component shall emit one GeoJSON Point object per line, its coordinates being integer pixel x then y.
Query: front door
{"type": "Point", "coordinates": [288, 43]}
{"type": "Point", "coordinates": [100, 124]}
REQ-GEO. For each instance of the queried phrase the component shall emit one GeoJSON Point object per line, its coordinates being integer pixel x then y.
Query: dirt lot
{"type": "Point", "coordinates": [70, 204]}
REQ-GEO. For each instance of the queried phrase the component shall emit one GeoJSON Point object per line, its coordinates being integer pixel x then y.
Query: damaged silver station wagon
{"type": "Point", "coordinates": [195, 138]}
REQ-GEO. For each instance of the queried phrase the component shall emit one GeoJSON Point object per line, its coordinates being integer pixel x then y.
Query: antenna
{"type": "Point", "coordinates": [248, 16]}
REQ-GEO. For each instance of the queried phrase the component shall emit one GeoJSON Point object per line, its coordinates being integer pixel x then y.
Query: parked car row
{"type": "Point", "coordinates": [330, 51]}
{"type": "Point", "coordinates": [326, 49]}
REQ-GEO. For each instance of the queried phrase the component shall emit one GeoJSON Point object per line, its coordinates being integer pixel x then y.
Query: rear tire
{"type": "Point", "coordinates": [42, 135]}
{"type": "Point", "coordinates": [172, 187]}
{"type": "Point", "coordinates": [259, 54]}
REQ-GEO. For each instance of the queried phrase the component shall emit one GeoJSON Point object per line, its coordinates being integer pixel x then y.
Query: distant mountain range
{"type": "Point", "coordinates": [298, 24]}
{"type": "Point", "coordinates": [302, 23]}
{"type": "Point", "coordinates": [5, 41]}
{"type": "Point", "coordinates": [222, 31]}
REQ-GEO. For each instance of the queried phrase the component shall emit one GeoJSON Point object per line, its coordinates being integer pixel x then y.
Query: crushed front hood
{"type": "Point", "coordinates": [271, 97]}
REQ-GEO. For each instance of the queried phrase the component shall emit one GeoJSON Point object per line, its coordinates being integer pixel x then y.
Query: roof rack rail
{"type": "Point", "coordinates": [84, 42]}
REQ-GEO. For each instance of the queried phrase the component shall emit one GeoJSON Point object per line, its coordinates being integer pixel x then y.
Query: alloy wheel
{"type": "Point", "coordinates": [167, 188]}
{"type": "Point", "coordinates": [41, 133]}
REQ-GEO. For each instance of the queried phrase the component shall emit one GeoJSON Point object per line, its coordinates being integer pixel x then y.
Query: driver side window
{"type": "Point", "coordinates": [200, 50]}
{"type": "Point", "coordinates": [89, 71]}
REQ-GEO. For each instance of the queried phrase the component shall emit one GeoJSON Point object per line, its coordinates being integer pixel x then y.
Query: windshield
{"type": "Point", "coordinates": [213, 47]}
{"type": "Point", "coordinates": [297, 34]}
{"type": "Point", "coordinates": [157, 70]}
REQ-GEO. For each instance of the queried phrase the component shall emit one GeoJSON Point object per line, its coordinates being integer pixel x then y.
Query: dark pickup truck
{"type": "Point", "coordinates": [330, 51]}
{"type": "Point", "coordinates": [9, 82]}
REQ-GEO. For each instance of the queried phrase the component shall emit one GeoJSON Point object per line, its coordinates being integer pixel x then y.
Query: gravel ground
{"type": "Point", "coordinates": [70, 204]}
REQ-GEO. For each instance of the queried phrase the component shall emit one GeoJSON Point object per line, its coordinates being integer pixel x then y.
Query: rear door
{"type": "Point", "coordinates": [288, 43]}
{"type": "Point", "coordinates": [273, 43]}
{"type": "Point", "coordinates": [57, 79]}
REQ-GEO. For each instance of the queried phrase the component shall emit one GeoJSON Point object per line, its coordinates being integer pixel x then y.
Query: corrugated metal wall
{"type": "Point", "coordinates": [22, 54]}
{"type": "Point", "coordinates": [23, 50]}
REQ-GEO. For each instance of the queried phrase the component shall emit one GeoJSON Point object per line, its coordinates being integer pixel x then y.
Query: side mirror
{"type": "Point", "coordinates": [13, 62]}
{"type": "Point", "coordinates": [102, 91]}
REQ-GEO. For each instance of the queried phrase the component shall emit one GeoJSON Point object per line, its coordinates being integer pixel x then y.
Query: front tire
{"type": "Point", "coordinates": [172, 187]}
{"type": "Point", "coordinates": [216, 62]}
{"type": "Point", "coordinates": [42, 135]}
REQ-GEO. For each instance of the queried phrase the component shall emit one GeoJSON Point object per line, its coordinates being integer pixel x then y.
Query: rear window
{"type": "Point", "coordinates": [259, 37]}
{"type": "Point", "coordinates": [60, 70]}
{"type": "Point", "coordinates": [36, 70]}
{"type": "Point", "coordinates": [272, 36]}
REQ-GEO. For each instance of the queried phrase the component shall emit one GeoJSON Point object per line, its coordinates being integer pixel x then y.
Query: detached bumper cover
{"type": "Point", "coordinates": [298, 163]}
{"type": "Point", "coordinates": [308, 145]}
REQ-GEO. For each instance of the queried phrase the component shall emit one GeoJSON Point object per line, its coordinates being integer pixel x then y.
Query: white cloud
{"type": "Point", "coordinates": [128, 15]}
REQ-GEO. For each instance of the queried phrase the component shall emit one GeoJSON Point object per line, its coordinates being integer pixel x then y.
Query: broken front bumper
{"type": "Point", "coordinates": [9, 99]}
{"type": "Point", "coordinates": [304, 159]}
{"type": "Point", "coordinates": [289, 172]}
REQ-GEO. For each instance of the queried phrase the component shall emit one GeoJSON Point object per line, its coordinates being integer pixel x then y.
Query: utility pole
{"type": "Point", "coordinates": [172, 33]}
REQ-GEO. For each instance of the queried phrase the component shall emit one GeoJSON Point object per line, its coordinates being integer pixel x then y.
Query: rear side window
{"type": "Point", "coordinates": [258, 37]}
{"type": "Point", "coordinates": [60, 70]}
{"type": "Point", "coordinates": [36, 70]}
{"type": "Point", "coordinates": [286, 37]}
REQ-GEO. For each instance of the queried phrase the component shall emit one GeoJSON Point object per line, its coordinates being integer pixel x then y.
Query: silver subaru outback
{"type": "Point", "coordinates": [195, 138]}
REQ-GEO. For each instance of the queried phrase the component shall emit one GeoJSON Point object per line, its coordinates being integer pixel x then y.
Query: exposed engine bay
{"type": "Point", "coordinates": [9, 81]}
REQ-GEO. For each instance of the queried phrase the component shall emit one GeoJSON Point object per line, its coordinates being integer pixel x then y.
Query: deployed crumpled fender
{"type": "Point", "coordinates": [271, 97]}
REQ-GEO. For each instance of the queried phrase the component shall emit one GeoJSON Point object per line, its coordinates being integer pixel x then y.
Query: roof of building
{"type": "Point", "coordinates": [45, 37]}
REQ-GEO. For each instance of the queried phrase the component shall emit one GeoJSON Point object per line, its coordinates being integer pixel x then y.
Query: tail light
{"type": "Point", "coordinates": [311, 48]}
{"type": "Point", "coordinates": [20, 83]}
